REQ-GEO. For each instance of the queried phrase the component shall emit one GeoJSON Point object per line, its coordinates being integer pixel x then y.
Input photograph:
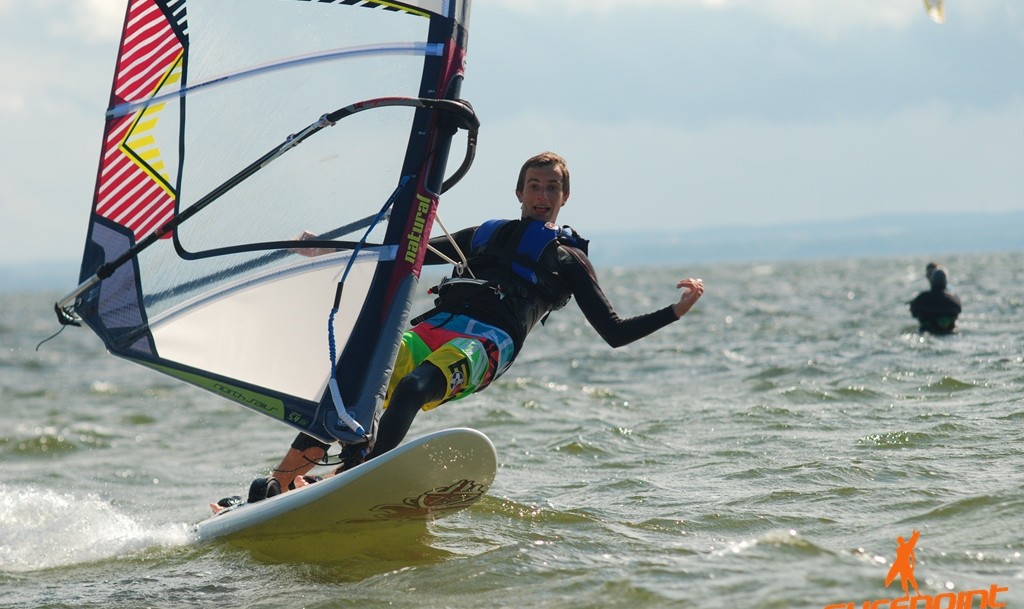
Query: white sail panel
{"type": "Point", "coordinates": [259, 333]}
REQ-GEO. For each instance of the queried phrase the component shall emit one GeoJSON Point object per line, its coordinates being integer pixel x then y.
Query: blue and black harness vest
{"type": "Point", "coordinates": [514, 266]}
{"type": "Point", "coordinates": [525, 249]}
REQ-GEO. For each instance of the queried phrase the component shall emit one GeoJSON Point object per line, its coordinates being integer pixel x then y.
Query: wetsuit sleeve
{"type": "Point", "coordinates": [464, 239]}
{"type": "Point", "coordinates": [579, 274]}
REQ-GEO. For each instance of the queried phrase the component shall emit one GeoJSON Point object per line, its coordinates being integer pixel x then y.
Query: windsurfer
{"type": "Point", "coordinates": [518, 272]}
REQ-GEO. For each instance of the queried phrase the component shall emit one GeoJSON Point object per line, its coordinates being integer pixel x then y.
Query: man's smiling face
{"type": "Point", "coordinates": [542, 196]}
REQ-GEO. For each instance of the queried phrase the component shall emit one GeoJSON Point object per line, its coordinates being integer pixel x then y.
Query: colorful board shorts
{"type": "Point", "coordinates": [471, 354]}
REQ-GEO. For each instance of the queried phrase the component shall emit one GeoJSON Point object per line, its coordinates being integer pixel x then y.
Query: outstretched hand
{"type": "Point", "coordinates": [692, 290]}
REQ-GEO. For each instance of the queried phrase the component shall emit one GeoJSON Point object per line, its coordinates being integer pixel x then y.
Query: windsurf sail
{"type": "Point", "coordinates": [935, 10]}
{"type": "Point", "coordinates": [237, 130]}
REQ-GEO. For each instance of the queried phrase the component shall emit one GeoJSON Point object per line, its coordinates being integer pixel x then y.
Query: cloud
{"type": "Point", "coordinates": [637, 175]}
{"type": "Point", "coordinates": [826, 19]}
{"type": "Point", "coordinates": [57, 57]}
{"type": "Point", "coordinates": [93, 20]}
{"type": "Point", "coordinates": [81, 20]}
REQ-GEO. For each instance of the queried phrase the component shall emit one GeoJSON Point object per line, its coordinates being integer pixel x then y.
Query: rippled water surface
{"type": "Point", "coordinates": [766, 451]}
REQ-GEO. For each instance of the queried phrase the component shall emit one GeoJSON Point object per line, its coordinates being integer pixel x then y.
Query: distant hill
{"type": "Point", "coordinates": [50, 275]}
{"type": "Point", "coordinates": [876, 236]}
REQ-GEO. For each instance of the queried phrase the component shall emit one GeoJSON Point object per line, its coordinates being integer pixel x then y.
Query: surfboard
{"type": "Point", "coordinates": [430, 477]}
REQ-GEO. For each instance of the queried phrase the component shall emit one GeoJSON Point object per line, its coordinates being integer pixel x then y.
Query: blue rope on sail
{"type": "Point", "coordinates": [343, 414]}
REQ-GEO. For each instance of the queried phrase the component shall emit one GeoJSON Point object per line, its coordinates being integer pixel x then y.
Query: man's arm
{"type": "Point", "coordinates": [463, 239]}
{"type": "Point", "coordinates": [616, 331]}
{"type": "Point", "coordinates": [916, 305]}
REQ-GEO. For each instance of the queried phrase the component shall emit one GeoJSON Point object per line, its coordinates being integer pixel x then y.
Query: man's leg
{"type": "Point", "coordinates": [304, 453]}
{"type": "Point", "coordinates": [423, 385]}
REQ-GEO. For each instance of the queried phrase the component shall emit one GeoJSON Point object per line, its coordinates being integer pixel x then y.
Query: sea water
{"type": "Point", "coordinates": [765, 451]}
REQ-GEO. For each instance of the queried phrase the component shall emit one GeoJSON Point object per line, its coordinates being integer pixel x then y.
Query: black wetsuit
{"type": "Point", "coordinates": [503, 298]}
{"type": "Point", "coordinates": [516, 306]}
{"type": "Point", "coordinates": [936, 310]}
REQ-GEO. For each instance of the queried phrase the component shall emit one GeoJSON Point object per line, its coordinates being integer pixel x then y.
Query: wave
{"type": "Point", "coordinates": [42, 529]}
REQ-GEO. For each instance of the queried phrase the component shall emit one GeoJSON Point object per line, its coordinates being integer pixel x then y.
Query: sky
{"type": "Point", "coordinates": [674, 115]}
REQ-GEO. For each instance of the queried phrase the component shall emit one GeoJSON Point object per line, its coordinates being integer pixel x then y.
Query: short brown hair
{"type": "Point", "coordinates": [544, 159]}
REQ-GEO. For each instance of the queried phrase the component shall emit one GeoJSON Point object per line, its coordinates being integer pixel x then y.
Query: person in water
{"type": "Point", "coordinates": [936, 309]}
{"type": "Point", "coordinates": [518, 272]}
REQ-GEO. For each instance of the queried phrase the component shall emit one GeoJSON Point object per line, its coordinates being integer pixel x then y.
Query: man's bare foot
{"type": "Point", "coordinates": [225, 503]}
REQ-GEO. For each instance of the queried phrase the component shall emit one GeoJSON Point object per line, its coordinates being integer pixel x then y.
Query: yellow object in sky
{"type": "Point", "coordinates": [935, 10]}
